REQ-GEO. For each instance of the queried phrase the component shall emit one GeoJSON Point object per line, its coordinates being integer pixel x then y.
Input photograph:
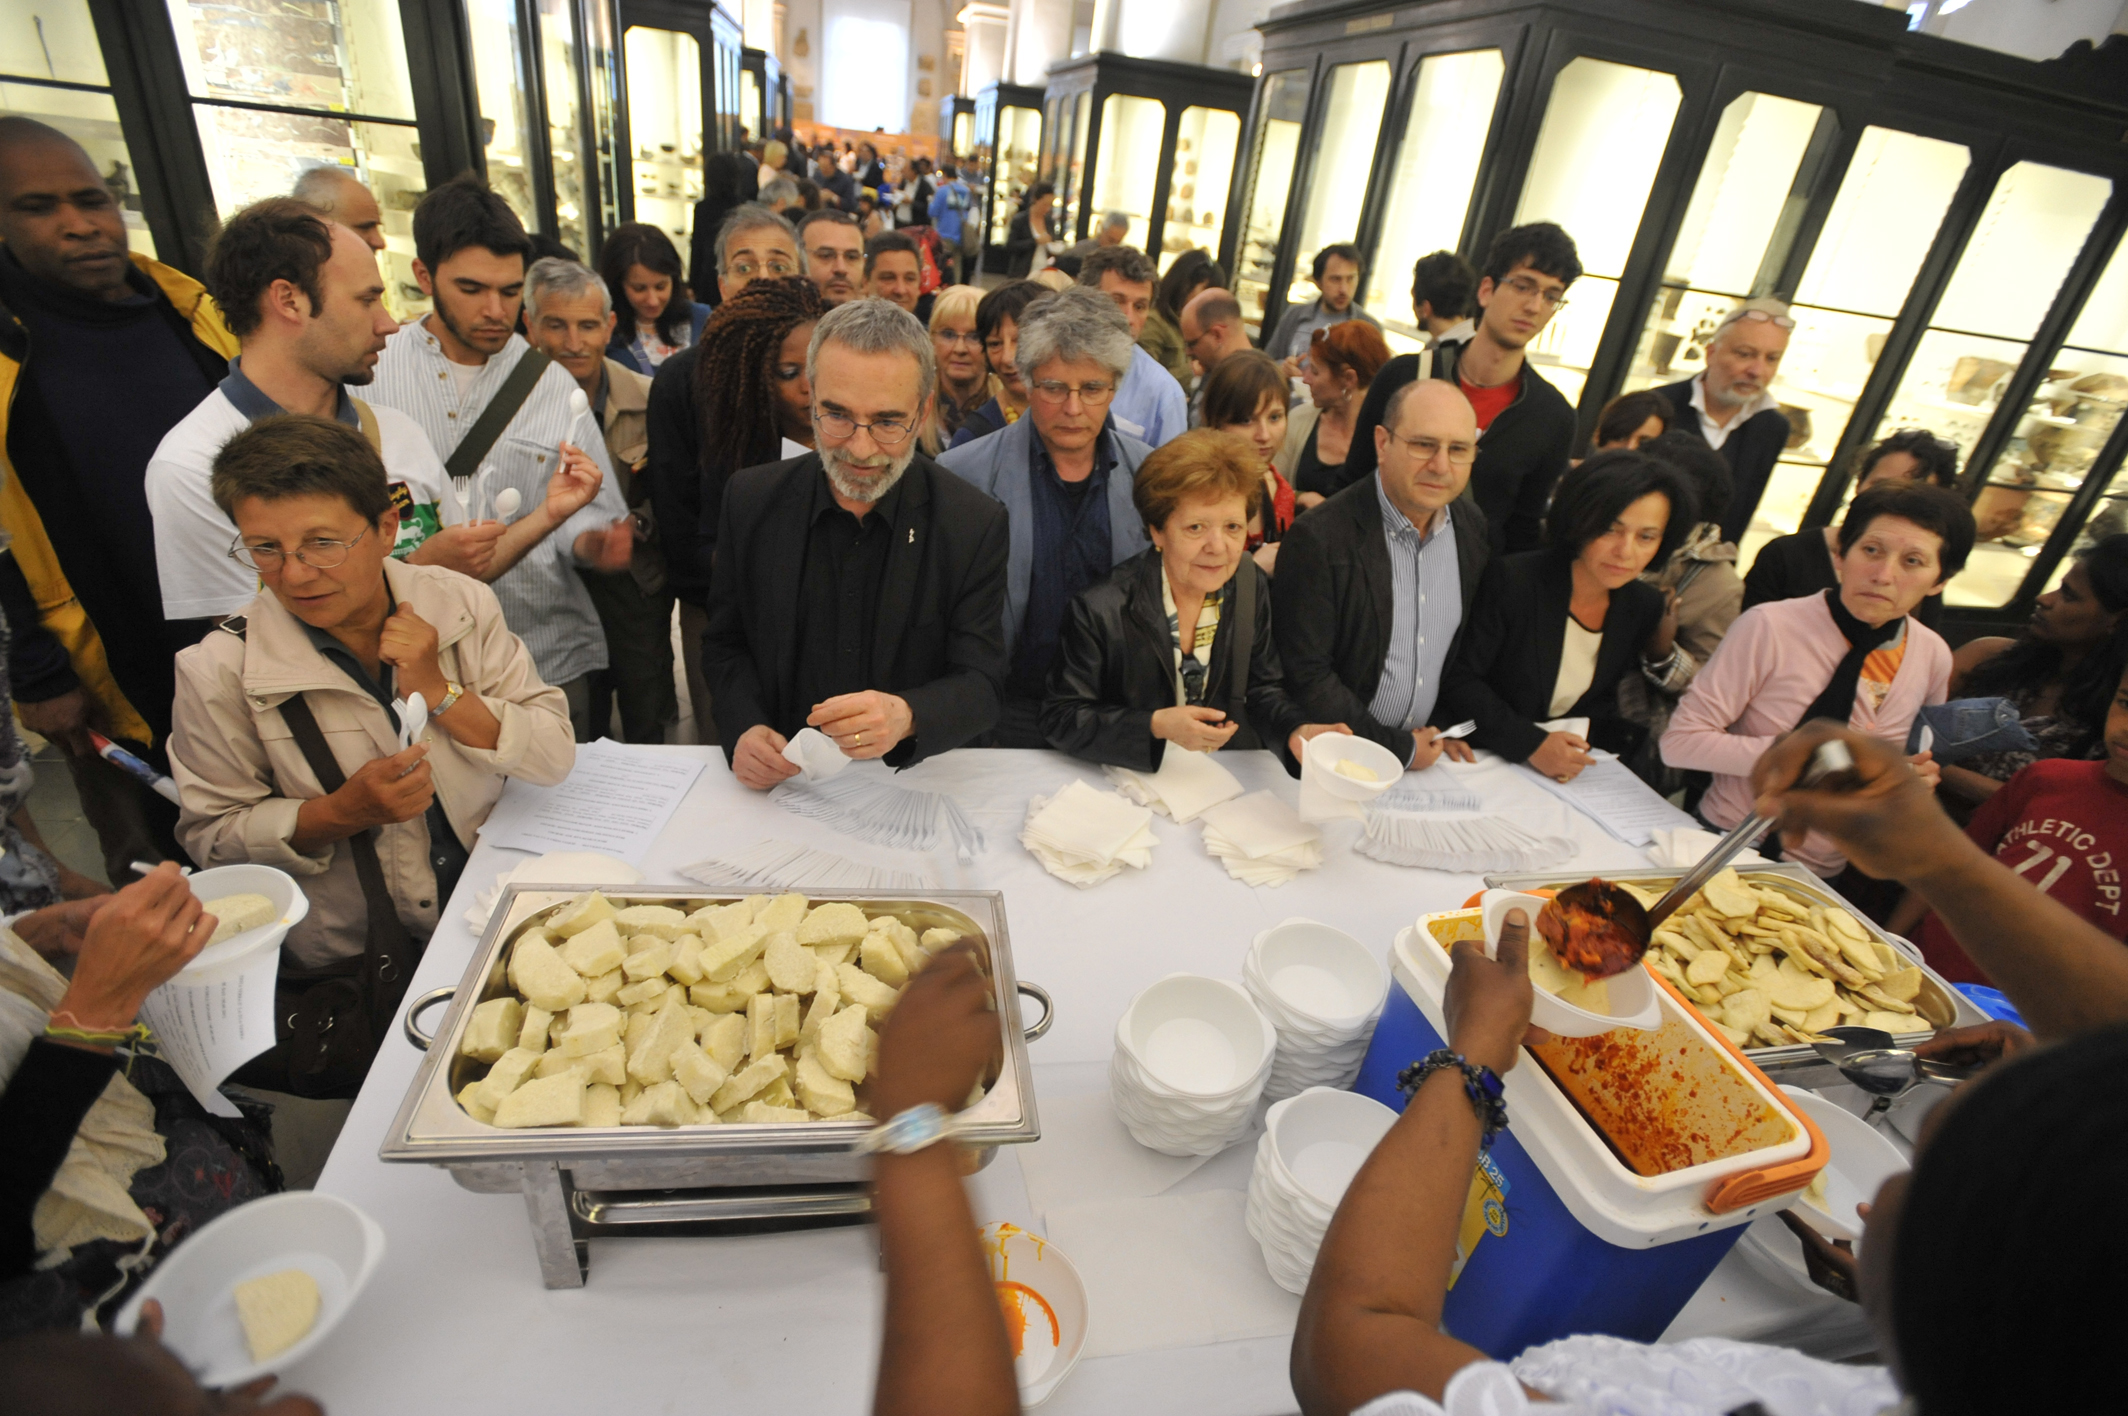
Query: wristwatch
{"type": "Point", "coordinates": [452, 692]}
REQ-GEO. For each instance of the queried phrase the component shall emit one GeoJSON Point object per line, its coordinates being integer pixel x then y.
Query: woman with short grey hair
{"type": "Point", "coordinates": [1072, 325]}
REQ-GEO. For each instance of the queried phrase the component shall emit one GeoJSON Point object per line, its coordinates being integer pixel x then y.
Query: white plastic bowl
{"type": "Point", "coordinates": [1046, 1286]}
{"type": "Point", "coordinates": [1325, 750]}
{"type": "Point", "coordinates": [1633, 994]}
{"type": "Point", "coordinates": [276, 885]}
{"type": "Point", "coordinates": [325, 1236]}
{"type": "Point", "coordinates": [1321, 1138]}
{"type": "Point", "coordinates": [1861, 1161]}
{"type": "Point", "coordinates": [1199, 1037]}
{"type": "Point", "coordinates": [1322, 976]}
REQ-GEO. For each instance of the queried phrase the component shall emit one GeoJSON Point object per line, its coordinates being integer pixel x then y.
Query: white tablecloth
{"type": "Point", "coordinates": [456, 1318]}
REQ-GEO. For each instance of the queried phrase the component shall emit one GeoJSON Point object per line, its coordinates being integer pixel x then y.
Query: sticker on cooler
{"type": "Point", "coordinates": [1484, 1212]}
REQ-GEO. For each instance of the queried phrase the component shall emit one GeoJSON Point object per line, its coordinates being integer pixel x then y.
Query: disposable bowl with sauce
{"type": "Point", "coordinates": [1044, 1303]}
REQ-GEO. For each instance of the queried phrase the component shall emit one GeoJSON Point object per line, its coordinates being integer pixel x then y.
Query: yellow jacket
{"type": "Point", "coordinates": [59, 610]}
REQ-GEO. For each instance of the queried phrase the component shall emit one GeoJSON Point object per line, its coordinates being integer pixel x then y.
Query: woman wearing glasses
{"type": "Point", "coordinates": [1176, 646]}
{"type": "Point", "coordinates": [1790, 567]}
{"type": "Point", "coordinates": [1555, 631]}
{"type": "Point", "coordinates": [286, 737]}
{"type": "Point", "coordinates": [965, 383]}
{"type": "Point", "coordinates": [1246, 393]}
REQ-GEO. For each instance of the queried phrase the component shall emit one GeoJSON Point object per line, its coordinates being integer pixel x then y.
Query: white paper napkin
{"type": "Point", "coordinates": [553, 868]}
{"type": "Point", "coordinates": [1171, 1271]}
{"type": "Point", "coordinates": [1185, 785]}
{"type": "Point", "coordinates": [1086, 1155]}
{"type": "Point", "coordinates": [1683, 846]}
{"type": "Point", "coordinates": [1261, 840]}
{"type": "Point", "coordinates": [1085, 836]}
{"type": "Point", "coordinates": [815, 754]}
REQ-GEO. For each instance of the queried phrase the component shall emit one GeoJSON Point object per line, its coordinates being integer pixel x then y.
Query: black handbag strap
{"type": "Point", "coordinates": [1244, 642]}
{"type": "Point", "coordinates": [465, 459]}
{"type": "Point", "coordinates": [390, 955]}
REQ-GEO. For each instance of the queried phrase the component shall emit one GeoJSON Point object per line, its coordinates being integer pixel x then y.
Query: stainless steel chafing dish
{"type": "Point", "coordinates": [1938, 1004]}
{"type": "Point", "coordinates": [584, 1181]}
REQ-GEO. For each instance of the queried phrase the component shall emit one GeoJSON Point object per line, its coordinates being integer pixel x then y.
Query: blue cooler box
{"type": "Point", "coordinates": [1531, 1264]}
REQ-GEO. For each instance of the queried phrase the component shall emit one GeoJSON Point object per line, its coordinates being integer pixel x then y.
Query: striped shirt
{"type": "Point", "coordinates": [1427, 593]}
{"type": "Point", "coordinates": [542, 598]}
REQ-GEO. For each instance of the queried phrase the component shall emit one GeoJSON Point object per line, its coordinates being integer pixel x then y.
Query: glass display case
{"type": "Point", "coordinates": [499, 69]}
{"type": "Point", "coordinates": [567, 157]}
{"type": "Point", "coordinates": [2076, 412]}
{"type": "Point", "coordinates": [1071, 172]}
{"type": "Point", "coordinates": [2028, 236]}
{"type": "Point", "coordinates": [1127, 165]}
{"type": "Point", "coordinates": [1452, 102]}
{"type": "Point", "coordinates": [1199, 181]}
{"type": "Point", "coordinates": [1004, 159]}
{"type": "Point", "coordinates": [664, 69]}
{"type": "Point", "coordinates": [52, 70]}
{"type": "Point", "coordinates": [1893, 197]}
{"type": "Point", "coordinates": [1605, 129]}
{"type": "Point", "coordinates": [1274, 155]}
{"type": "Point", "coordinates": [1351, 125]}
{"type": "Point", "coordinates": [750, 104]}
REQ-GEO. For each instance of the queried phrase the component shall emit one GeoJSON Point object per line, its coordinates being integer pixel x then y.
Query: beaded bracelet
{"type": "Point", "coordinates": [1481, 1084]}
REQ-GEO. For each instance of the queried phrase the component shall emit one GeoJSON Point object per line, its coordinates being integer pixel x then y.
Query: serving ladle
{"type": "Point", "coordinates": [1601, 929]}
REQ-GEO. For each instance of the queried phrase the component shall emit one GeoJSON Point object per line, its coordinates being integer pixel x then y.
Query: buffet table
{"type": "Point", "coordinates": [456, 1317]}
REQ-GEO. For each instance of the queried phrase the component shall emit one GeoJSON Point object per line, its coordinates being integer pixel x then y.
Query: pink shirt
{"type": "Point", "coordinates": [1770, 667]}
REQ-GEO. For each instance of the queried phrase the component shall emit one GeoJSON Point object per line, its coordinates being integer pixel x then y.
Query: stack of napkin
{"type": "Point", "coordinates": [1683, 847]}
{"type": "Point", "coordinates": [1185, 785]}
{"type": "Point", "coordinates": [1085, 836]}
{"type": "Point", "coordinates": [1261, 839]}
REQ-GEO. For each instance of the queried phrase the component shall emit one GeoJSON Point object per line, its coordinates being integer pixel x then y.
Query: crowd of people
{"type": "Point", "coordinates": [252, 516]}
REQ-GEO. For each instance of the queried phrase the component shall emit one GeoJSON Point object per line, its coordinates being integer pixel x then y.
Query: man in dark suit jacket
{"type": "Point", "coordinates": [1371, 596]}
{"type": "Point", "coordinates": [860, 589]}
{"type": "Point", "coordinates": [1731, 403]}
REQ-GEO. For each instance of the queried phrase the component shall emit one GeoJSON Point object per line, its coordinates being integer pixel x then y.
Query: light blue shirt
{"type": "Point", "coordinates": [1426, 592]}
{"type": "Point", "coordinates": [1149, 404]}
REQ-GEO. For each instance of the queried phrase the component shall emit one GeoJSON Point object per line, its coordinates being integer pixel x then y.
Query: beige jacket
{"type": "Point", "coordinates": [626, 421]}
{"type": "Point", "coordinates": [243, 778]}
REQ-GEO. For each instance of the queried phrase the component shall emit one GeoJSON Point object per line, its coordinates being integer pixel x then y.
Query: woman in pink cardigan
{"type": "Point", "coordinates": [1854, 653]}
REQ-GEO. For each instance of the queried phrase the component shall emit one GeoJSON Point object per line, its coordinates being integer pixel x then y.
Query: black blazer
{"type": "Point", "coordinates": [1335, 601]}
{"type": "Point", "coordinates": [1115, 667]}
{"type": "Point", "coordinates": [940, 641]}
{"type": "Point", "coordinates": [1509, 656]}
{"type": "Point", "coordinates": [1750, 450]}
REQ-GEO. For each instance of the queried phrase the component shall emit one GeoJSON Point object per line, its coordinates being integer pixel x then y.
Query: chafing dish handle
{"type": "Point", "coordinates": [1032, 990]}
{"type": "Point", "coordinates": [434, 996]}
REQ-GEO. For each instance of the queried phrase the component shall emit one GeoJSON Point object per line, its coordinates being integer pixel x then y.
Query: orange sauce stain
{"type": "Point", "coordinates": [1012, 1298]}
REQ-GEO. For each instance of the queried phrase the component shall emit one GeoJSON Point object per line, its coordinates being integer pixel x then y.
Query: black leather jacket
{"type": "Point", "coordinates": [1115, 667]}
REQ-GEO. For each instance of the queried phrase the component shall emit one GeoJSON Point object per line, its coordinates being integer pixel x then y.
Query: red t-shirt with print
{"type": "Point", "coordinates": [1487, 402]}
{"type": "Point", "coordinates": [2063, 826]}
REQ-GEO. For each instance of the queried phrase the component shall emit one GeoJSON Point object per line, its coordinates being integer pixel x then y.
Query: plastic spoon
{"type": "Point", "coordinates": [507, 501]}
{"type": "Point", "coordinates": [579, 403]}
{"type": "Point", "coordinates": [413, 719]}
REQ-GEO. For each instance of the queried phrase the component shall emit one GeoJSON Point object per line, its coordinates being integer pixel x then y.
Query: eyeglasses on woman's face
{"type": "Point", "coordinates": [319, 553]}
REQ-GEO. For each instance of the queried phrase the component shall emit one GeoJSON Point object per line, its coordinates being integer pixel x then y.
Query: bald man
{"type": "Point", "coordinates": [335, 192]}
{"type": "Point", "coordinates": [1373, 586]}
{"type": "Point", "coordinates": [101, 353]}
{"type": "Point", "coordinates": [1211, 329]}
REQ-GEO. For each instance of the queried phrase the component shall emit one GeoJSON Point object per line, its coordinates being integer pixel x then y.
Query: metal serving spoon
{"type": "Point", "coordinates": [1872, 1061]}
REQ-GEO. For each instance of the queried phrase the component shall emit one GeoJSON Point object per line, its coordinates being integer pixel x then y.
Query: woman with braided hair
{"type": "Point", "coordinates": [735, 398]}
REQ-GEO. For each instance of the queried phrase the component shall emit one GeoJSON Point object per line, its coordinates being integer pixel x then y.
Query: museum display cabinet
{"type": "Point", "coordinates": [1945, 220]}
{"type": "Point", "coordinates": [1005, 156]}
{"type": "Point", "coordinates": [1154, 140]}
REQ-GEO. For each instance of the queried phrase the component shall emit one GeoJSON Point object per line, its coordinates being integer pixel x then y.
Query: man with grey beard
{"type": "Point", "coordinates": [860, 589]}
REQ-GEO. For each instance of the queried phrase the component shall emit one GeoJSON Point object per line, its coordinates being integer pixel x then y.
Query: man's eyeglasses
{"type": "Point", "coordinates": [320, 554]}
{"type": "Point", "coordinates": [773, 267]}
{"type": "Point", "coordinates": [1055, 391]}
{"type": "Point", "coordinates": [1529, 289]}
{"type": "Point", "coordinates": [887, 432]}
{"type": "Point", "coordinates": [1427, 449]}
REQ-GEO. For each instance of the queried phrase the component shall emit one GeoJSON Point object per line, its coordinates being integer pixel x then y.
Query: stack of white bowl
{"type": "Point", "coordinates": [1312, 1146]}
{"type": "Point", "coordinates": [1191, 1057]}
{"type": "Point", "coordinates": [1322, 990]}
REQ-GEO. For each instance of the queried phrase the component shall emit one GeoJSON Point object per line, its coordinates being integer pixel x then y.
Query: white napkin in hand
{"type": "Point", "coordinates": [1261, 840]}
{"type": "Point", "coordinates": [1683, 847]}
{"type": "Point", "coordinates": [1085, 836]}
{"type": "Point", "coordinates": [815, 755]}
{"type": "Point", "coordinates": [1185, 785]}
